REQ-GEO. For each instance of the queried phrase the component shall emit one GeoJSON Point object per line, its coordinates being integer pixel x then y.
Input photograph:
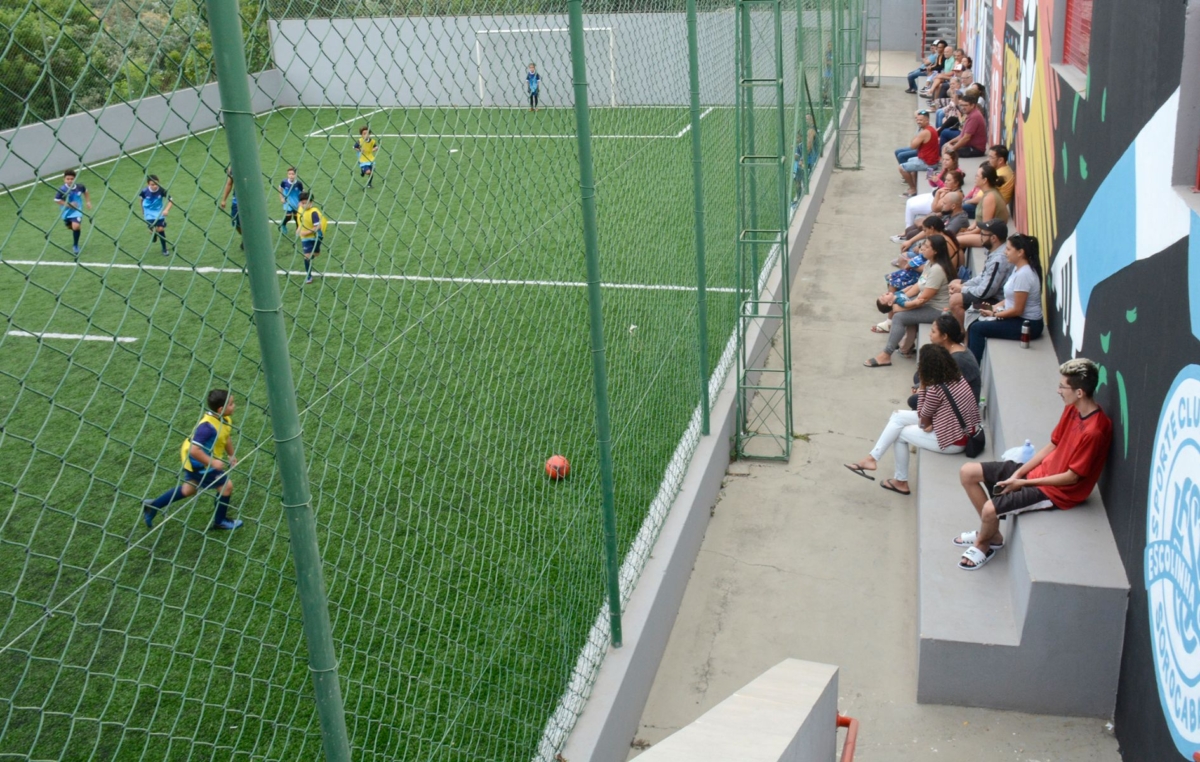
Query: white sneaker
{"type": "Point", "coordinates": [898, 239]}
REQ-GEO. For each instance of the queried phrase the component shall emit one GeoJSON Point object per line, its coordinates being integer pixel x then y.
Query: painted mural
{"type": "Point", "coordinates": [1093, 177]}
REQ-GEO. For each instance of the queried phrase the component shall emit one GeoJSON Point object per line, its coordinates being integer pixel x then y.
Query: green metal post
{"type": "Point", "coordinates": [591, 247]}
{"type": "Point", "coordinates": [698, 196]}
{"type": "Point", "coordinates": [747, 72]}
{"type": "Point", "coordinates": [242, 135]}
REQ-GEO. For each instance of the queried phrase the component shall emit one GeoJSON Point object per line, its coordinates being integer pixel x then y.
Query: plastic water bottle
{"type": "Point", "coordinates": [1025, 335]}
{"type": "Point", "coordinates": [1027, 452]}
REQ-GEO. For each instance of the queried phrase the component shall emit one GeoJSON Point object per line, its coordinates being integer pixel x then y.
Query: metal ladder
{"type": "Point", "coordinates": [873, 52]}
{"type": "Point", "coordinates": [764, 345]}
{"type": "Point", "coordinates": [940, 21]}
{"type": "Point", "coordinates": [848, 48]}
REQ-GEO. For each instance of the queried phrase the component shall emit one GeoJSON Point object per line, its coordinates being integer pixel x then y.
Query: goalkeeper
{"type": "Point", "coordinates": [534, 81]}
{"type": "Point", "coordinates": [204, 462]}
{"type": "Point", "coordinates": [310, 224]}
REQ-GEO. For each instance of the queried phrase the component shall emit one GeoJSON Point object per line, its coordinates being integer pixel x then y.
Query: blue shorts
{"type": "Point", "coordinates": [364, 166]}
{"type": "Point", "coordinates": [69, 221]}
{"type": "Point", "coordinates": [161, 222]}
{"type": "Point", "coordinates": [309, 245]}
{"type": "Point", "coordinates": [233, 216]}
{"type": "Point", "coordinates": [915, 165]}
{"type": "Point", "coordinates": [205, 479]}
{"type": "Point", "coordinates": [289, 212]}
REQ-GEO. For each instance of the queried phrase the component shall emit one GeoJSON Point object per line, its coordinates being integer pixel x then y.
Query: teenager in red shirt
{"type": "Point", "coordinates": [1060, 475]}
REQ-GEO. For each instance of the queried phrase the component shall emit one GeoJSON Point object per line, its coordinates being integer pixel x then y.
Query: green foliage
{"type": "Point", "coordinates": [65, 56]}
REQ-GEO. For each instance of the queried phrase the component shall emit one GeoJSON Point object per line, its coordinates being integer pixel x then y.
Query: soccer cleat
{"type": "Point", "coordinates": [308, 280]}
{"type": "Point", "coordinates": [75, 250]}
{"type": "Point", "coordinates": [228, 525]}
{"type": "Point", "coordinates": [148, 514]}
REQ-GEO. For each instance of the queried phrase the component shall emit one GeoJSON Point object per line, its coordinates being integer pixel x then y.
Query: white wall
{"type": "Point", "coordinates": [44, 149]}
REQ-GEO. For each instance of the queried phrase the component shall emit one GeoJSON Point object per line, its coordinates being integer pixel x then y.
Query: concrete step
{"type": "Point", "coordinates": [1040, 628]}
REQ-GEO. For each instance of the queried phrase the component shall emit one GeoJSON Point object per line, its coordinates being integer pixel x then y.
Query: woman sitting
{"type": "Point", "coordinates": [929, 203]}
{"type": "Point", "coordinates": [1022, 299]}
{"type": "Point", "coordinates": [949, 163]}
{"type": "Point", "coordinates": [933, 425]}
{"type": "Point", "coordinates": [920, 303]}
{"type": "Point", "coordinates": [947, 332]}
{"type": "Point", "coordinates": [910, 266]}
{"type": "Point", "coordinates": [989, 204]}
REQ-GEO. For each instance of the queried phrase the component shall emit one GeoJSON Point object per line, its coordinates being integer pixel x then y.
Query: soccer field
{"type": "Point", "coordinates": [440, 356]}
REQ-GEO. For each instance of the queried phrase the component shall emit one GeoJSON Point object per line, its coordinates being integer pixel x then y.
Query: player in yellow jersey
{"type": "Point", "coordinates": [310, 224]}
{"type": "Point", "coordinates": [366, 146]}
{"type": "Point", "coordinates": [207, 455]}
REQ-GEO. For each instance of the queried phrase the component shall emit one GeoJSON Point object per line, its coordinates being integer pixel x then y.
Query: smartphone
{"type": "Point", "coordinates": [997, 490]}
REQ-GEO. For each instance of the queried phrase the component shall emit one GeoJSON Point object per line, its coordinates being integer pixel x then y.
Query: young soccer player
{"type": "Point", "coordinates": [310, 224]}
{"type": "Point", "coordinates": [289, 195]}
{"type": "Point", "coordinates": [534, 81]}
{"type": "Point", "coordinates": [156, 204]}
{"type": "Point", "coordinates": [233, 209]}
{"type": "Point", "coordinates": [366, 147]}
{"type": "Point", "coordinates": [69, 197]}
{"type": "Point", "coordinates": [204, 462]}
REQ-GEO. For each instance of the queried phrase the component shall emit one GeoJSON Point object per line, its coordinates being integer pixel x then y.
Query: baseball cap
{"type": "Point", "coordinates": [923, 112]}
{"type": "Point", "coordinates": [939, 42]}
{"type": "Point", "coordinates": [998, 228]}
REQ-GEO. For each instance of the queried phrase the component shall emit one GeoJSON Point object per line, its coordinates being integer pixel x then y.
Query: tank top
{"type": "Point", "coordinates": [930, 153]}
{"type": "Point", "coordinates": [1001, 207]}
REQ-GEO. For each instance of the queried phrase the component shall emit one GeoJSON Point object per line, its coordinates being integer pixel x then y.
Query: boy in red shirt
{"type": "Point", "coordinates": [1060, 475]}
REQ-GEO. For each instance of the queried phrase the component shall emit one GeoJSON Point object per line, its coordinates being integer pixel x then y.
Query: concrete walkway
{"type": "Point", "coordinates": [807, 560]}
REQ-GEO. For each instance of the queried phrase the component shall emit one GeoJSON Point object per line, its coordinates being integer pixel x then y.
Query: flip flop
{"type": "Point", "coordinates": [890, 485]}
{"type": "Point", "coordinates": [977, 557]}
{"type": "Point", "coordinates": [873, 363]}
{"type": "Point", "coordinates": [877, 328]}
{"type": "Point", "coordinates": [857, 469]}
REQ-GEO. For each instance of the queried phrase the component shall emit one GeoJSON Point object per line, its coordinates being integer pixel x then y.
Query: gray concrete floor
{"type": "Point", "coordinates": [806, 560]}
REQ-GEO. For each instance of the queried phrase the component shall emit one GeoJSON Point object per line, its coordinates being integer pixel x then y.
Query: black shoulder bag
{"type": "Point", "coordinates": [975, 442]}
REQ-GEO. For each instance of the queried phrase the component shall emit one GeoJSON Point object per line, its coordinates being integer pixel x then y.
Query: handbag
{"type": "Point", "coordinates": [975, 442]}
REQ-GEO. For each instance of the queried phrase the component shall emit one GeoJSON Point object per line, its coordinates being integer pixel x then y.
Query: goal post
{"type": "Point", "coordinates": [482, 68]}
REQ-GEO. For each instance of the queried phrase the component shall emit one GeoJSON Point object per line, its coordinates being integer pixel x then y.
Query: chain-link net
{"type": "Point", "coordinates": [440, 353]}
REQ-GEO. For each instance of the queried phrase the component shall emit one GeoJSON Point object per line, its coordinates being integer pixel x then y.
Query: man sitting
{"type": "Point", "coordinates": [972, 138]}
{"type": "Point", "coordinates": [923, 153]}
{"type": "Point", "coordinates": [998, 158]}
{"type": "Point", "coordinates": [987, 286]}
{"type": "Point", "coordinates": [935, 62]}
{"type": "Point", "coordinates": [1060, 475]}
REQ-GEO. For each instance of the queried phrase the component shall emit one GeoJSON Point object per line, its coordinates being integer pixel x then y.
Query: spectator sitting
{"type": "Point", "coordinates": [923, 301]}
{"type": "Point", "coordinates": [1022, 299]}
{"type": "Point", "coordinates": [952, 214]}
{"type": "Point", "coordinates": [1060, 475]}
{"type": "Point", "coordinates": [959, 82]}
{"type": "Point", "coordinates": [935, 83]}
{"type": "Point", "coordinates": [923, 153]}
{"type": "Point", "coordinates": [948, 334]}
{"type": "Point", "coordinates": [972, 139]}
{"type": "Point", "coordinates": [949, 163]}
{"type": "Point", "coordinates": [928, 203]}
{"type": "Point", "coordinates": [988, 285]}
{"type": "Point", "coordinates": [933, 426]}
{"type": "Point", "coordinates": [936, 61]}
{"type": "Point", "coordinates": [989, 204]}
{"type": "Point", "coordinates": [998, 158]}
{"type": "Point", "coordinates": [910, 267]}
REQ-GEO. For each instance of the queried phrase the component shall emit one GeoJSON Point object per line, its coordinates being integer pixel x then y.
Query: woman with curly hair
{"type": "Point", "coordinates": [933, 425]}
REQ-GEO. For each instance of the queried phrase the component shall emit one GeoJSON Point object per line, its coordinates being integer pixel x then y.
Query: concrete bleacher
{"type": "Point", "coordinates": [1040, 628]}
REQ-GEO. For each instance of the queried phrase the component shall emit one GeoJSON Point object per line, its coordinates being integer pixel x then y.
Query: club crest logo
{"type": "Point", "coordinates": [1172, 559]}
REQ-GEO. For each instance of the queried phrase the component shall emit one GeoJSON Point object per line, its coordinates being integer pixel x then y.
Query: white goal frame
{"type": "Point", "coordinates": [612, 52]}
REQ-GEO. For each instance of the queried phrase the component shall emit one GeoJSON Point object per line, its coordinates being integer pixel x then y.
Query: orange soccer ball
{"type": "Point", "coordinates": [557, 467]}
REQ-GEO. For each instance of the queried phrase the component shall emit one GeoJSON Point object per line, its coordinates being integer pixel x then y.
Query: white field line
{"type": "Point", "coordinates": [440, 136]}
{"type": "Point", "coordinates": [370, 276]}
{"type": "Point", "coordinates": [73, 337]}
{"type": "Point", "coordinates": [573, 699]}
{"type": "Point", "coordinates": [348, 121]}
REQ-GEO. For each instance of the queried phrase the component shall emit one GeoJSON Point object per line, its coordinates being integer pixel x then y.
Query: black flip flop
{"type": "Point", "coordinates": [873, 363]}
{"type": "Point", "coordinates": [857, 469]}
{"type": "Point", "coordinates": [890, 486]}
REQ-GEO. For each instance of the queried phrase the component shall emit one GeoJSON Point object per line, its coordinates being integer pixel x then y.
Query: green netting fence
{"type": "Point", "coordinates": [440, 354]}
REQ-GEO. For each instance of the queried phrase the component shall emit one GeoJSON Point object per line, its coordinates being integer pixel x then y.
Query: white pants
{"type": "Point", "coordinates": [903, 429]}
{"type": "Point", "coordinates": [917, 206]}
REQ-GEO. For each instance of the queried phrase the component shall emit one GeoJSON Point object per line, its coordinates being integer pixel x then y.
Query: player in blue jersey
{"type": "Point", "coordinates": [156, 205]}
{"type": "Point", "coordinates": [234, 217]}
{"type": "Point", "coordinates": [289, 195]}
{"type": "Point", "coordinates": [71, 198]}
{"type": "Point", "coordinates": [366, 147]}
{"type": "Point", "coordinates": [207, 456]}
{"type": "Point", "coordinates": [533, 81]}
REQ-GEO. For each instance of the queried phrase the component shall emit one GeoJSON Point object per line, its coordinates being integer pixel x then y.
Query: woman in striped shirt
{"type": "Point", "coordinates": [933, 425]}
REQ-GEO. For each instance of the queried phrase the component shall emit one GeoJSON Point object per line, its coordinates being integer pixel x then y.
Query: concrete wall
{"type": "Point", "coordinates": [901, 25]}
{"type": "Point", "coordinates": [45, 149]}
{"type": "Point", "coordinates": [633, 59]}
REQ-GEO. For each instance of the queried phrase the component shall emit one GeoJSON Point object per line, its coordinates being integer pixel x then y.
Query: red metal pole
{"type": "Point", "coordinates": [852, 737]}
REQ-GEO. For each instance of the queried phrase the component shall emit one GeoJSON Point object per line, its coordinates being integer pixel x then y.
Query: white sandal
{"type": "Point", "coordinates": [976, 557]}
{"type": "Point", "coordinates": [967, 539]}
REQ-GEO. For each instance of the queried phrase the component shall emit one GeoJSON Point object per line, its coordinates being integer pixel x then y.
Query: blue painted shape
{"type": "Point", "coordinates": [1106, 237]}
{"type": "Point", "coordinates": [1194, 273]}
